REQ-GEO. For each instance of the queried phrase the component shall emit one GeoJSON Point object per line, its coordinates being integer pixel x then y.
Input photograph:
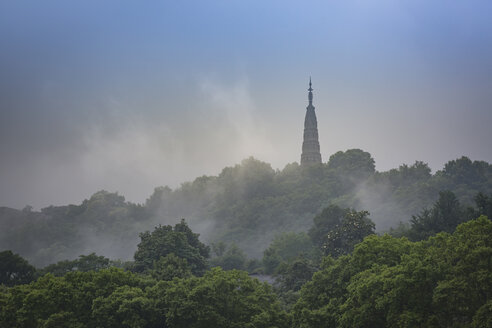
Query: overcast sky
{"type": "Point", "coordinates": [129, 95]}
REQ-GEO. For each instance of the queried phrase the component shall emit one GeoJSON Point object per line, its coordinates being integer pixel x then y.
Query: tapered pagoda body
{"type": "Point", "coordinates": [310, 145]}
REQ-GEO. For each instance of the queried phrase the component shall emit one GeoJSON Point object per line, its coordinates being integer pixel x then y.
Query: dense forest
{"type": "Point", "coordinates": [247, 204]}
{"type": "Point", "coordinates": [331, 245]}
{"type": "Point", "coordinates": [339, 274]}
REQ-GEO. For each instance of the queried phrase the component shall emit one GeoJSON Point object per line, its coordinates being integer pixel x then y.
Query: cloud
{"type": "Point", "coordinates": [120, 148]}
{"type": "Point", "coordinates": [237, 107]}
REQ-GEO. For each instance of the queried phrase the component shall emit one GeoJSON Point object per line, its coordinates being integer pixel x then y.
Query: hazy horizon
{"type": "Point", "coordinates": [128, 96]}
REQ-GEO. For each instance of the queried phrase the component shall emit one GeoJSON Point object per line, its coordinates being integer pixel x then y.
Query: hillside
{"type": "Point", "coordinates": [247, 204]}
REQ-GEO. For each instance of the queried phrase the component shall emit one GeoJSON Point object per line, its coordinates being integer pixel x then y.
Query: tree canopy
{"type": "Point", "coordinates": [247, 204]}
{"type": "Point", "coordinates": [220, 298]}
{"type": "Point", "coordinates": [166, 240]}
{"type": "Point", "coordinates": [388, 282]}
{"type": "Point", "coordinates": [84, 263]}
{"type": "Point", "coordinates": [337, 230]}
{"type": "Point", "coordinates": [365, 280]}
{"type": "Point", "coordinates": [445, 215]}
{"type": "Point", "coordinates": [14, 269]}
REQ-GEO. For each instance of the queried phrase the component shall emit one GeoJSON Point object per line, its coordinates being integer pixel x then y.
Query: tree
{"type": "Point", "coordinates": [232, 258]}
{"type": "Point", "coordinates": [192, 238]}
{"type": "Point", "coordinates": [164, 240]}
{"type": "Point", "coordinates": [355, 162]}
{"type": "Point", "coordinates": [169, 267]}
{"type": "Point", "coordinates": [464, 171]}
{"type": "Point", "coordinates": [483, 317]}
{"type": "Point", "coordinates": [336, 230]}
{"type": "Point", "coordinates": [14, 269]}
{"type": "Point", "coordinates": [219, 248]}
{"type": "Point", "coordinates": [84, 263]}
{"type": "Point", "coordinates": [444, 281]}
{"type": "Point", "coordinates": [484, 206]}
{"type": "Point", "coordinates": [62, 319]}
{"type": "Point", "coordinates": [66, 301]}
{"type": "Point", "coordinates": [293, 275]}
{"type": "Point", "coordinates": [251, 179]}
{"type": "Point", "coordinates": [445, 215]}
{"type": "Point", "coordinates": [285, 248]}
{"type": "Point", "coordinates": [349, 232]}
{"type": "Point", "coordinates": [326, 221]}
{"type": "Point", "coordinates": [221, 299]}
{"type": "Point", "coordinates": [351, 168]}
{"type": "Point", "coordinates": [245, 200]}
{"type": "Point", "coordinates": [126, 307]}
{"type": "Point", "coordinates": [467, 283]}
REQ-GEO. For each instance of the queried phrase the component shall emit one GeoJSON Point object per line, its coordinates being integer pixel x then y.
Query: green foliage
{"type": "Point", "coordinates": [484, 206]}
{"type": "Point", "coordinates": [395, 195]}
{"type": "Point", "coordinates": [164, 240]}
{"type": "Point", "coordinates": [294, 274]}
{"type": "Point", "coordinates": [285, 248]}
{"type": "Point", "coordinates": [247, 204]}
{"type": "Point", "coordinates": [445, 215]}
{"type": "Point", "coordinates": [468, 280]}
{"type": "Point", "coordinates": [325, 222]}
{"type": "Point", "coordinates": [351, 167]}
{"type": "Point", "coordinates": [126, 307]}
{"type": "Point", "coordinates": [464, 171]}
{"type": "Point", "coordinates": [84, 263]}
{"type": "Point", "coordinates": [52, 300]}
{"type": "Point", "coordinates": [352, 230]}
{"type": "Point", "coordinates": [14, 269]}
{"type": "Point", "coordinates": [61, 319]}
{"type": "Point", "coordinates": [341, 233]}
{"type": "Point", "coordinates": [219, 299]}
{"type": "Point", "coordinates": [219, 248]}
{"type": "Point", "coordinates": [401, 230]}
{"type": "Point", "coordinates": [251, 179]}
{"type": "Point", "coordinates": [465, 177]}
{"type": "Point", "coordinates": [170, 267]}
{"type": "Point", "coordinates": [445, 281]}
{"type": "Point", "coordinates": [104, 223]}
{"type": "Point", "coordinates": [115, 298]}
{"type": "Point", "coordinates": [292, 259]}
{"type": "Point", "coordinates": [405, 175]}
{"type": "Point", "coordinates": [271, 260]}
{"type": "Point", "coordinates": [232, 258]}
{"type": "Point", "coordinates": [483, 317]}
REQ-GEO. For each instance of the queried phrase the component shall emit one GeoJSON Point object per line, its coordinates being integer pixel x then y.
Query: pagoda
{"type": "Point", "coordinates": [310, 145]}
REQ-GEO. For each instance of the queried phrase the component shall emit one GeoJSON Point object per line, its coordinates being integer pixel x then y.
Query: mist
{"type": "Point", "coordinates": [159, 157]}
{"type": "Point", "coordinates": [127, 97]}
{"type": "Point", "coordinates": [122, 150]}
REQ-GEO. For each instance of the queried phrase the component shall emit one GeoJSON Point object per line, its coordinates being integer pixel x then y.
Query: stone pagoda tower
{"type": "Point", "coordinates": [310, 145]}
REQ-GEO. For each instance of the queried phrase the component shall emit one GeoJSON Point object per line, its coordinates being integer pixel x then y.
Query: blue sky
{"type": "Point", "coordinates": [127, 95]}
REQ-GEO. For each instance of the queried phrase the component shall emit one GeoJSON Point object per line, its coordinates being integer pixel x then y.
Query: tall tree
{"type": "Point", "coordinates": [165, 240]}
{"type": "Point", "coordinates": [484, 205]}
{"type": "Point", "coordinates": [337, 230]}
{"type": "Point", "coordinates": [326, 221]}
{"type": "Point", "coordinates": [14, 269]}
{"type": "Point", "coordinates": [445, 215]}
{"type": "Point", "coordinates": [354, 227]}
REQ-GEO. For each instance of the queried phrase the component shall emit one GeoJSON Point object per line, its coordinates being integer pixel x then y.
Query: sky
{"type": "Point", "coordinates": [129, 95]}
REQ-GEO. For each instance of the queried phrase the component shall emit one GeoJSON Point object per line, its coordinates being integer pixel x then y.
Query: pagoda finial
{"type": "Point", "coordinates": [310, 94]}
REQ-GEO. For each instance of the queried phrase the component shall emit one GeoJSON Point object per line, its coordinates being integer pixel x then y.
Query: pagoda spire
{"type": "Point", "coordinates": [310, 94]}
{"type": "Point", "coordinates": [310, 145]}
